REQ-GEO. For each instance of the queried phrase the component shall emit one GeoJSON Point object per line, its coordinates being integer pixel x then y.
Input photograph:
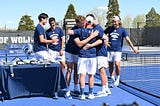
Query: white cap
{"type": "Point", "coordinates": [89, 19]}
{"type": "Point", "coordinates": [115, 18]}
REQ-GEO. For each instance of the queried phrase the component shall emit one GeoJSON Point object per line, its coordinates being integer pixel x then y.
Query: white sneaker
{"type": "Point", "coordinates": [101, 94]}
{"type": "Point", "coordinates": [111, 85]}
{"type": "Point", "coordinates": [108, 91]}
{"type": "Point", "coordinates": [82, 97]}
{"type": "Point", "coordinates": [68, 95]}
{"type": "Point", "coordinates": [91, 96]}
{"type": "Point", "coordinates": [55, 95]}
{"type": "Point", "coordinates": [116, 83]}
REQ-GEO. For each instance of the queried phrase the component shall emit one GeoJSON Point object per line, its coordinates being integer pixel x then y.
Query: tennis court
{"type": "Point", "coordinates": [141, 72]}
{"type": "Point", "coordinates": [140, 76]}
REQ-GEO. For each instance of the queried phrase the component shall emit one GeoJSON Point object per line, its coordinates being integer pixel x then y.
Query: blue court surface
{"type": "Point", "coordinates": [118, 96]}
{"type": "Point", "coordinates": [140, 82]}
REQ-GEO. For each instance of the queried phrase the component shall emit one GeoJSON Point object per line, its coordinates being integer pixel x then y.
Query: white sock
{"type": "Point", "coordinates": [118, 77]}
{"type": "Point", "coordinates": [68, 93]}
{"type": "Point", "coordinates": [56, 94]}
{"type": "Point", "coordinates": [103, 87]}
{"type": "Point", "coordinates": [106, 85]}
{"type": "Point", "coordinates": [113, 78]}
{"type": "Point", "coordinates": [76, 87]}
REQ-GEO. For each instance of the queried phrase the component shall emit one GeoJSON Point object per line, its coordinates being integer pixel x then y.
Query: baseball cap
{"type": "Point", "coordinates": [115, 18]}
{"type": "Point", "coordinates": [89, 19]}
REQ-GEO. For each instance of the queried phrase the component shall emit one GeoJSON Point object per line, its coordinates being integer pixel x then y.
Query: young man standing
{"type": "Point", "coordinates": [101, 52]}
{"type": "Point", "coordinates": [40, 40]}
{"type": "Point", "coordinates": [71, 54]}
{"type": "Point", "coordinates": [116, 33]}
{"type": "Point", "coordinates": [87, 57]}
{"type": "Point", "coordinates": [56, 50]}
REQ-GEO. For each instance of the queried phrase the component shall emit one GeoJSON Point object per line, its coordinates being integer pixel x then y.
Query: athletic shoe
{"type": "Point", "coordinates": [108, 91]}
{"type": "Point", "coordinates": [91, 96]}
{"type": "Point", "coordinates": [101, 94]}
{"type": "Point", "coordinates": [82, 97]}
{"type": "Point", "coordinates": [68, 95]}
{"type": "Point", "coordinates": [55, 95]}
{"type": "Point", "coordinates": [116, 83]}
{"type": "Point", "coordinates": [111, 85]}
{"type": "Point", "coordinates": [76, 92]}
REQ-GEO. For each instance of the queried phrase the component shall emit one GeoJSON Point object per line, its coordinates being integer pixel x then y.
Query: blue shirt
{"type": "Point", "coordinates": [55, 32]}
{"type": "Point", "coordinates": [101, 49]}
{"type": "Point", "coordinates": [83, 33]}
{"type": "Point", "coordinates": [71, 46]}
{"type": "Point", "coordinates": [116, 36]}
{"type": "Point", "coordinates": [38, 46]}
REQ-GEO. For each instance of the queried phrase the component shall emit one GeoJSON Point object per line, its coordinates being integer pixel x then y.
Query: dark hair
{"type": "Point", "coordinates": [42, 16]}
{"type": "Point", "coordinates": [52, 19]}
{"type": "Point", "coordinates": [91, 16]}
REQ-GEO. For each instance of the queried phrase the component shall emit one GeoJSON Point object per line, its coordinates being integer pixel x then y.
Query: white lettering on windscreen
{"type": "Point", "coordinates": [21, 39]}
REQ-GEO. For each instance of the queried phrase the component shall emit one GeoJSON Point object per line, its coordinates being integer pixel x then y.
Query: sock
{"type": "Point", "coordinates": [103, 87]}
{"type": "Point", "coordinates": [106, 85]}
{"type": "Point", "coordinates": [90, 90]}
{"type": "Point", "coordinates": [68, 93]}
{"type": "Point", "coordinates": [118, 77]}
{"type": "Point", "coordinates": [76, 87]}
{"type": "Point", "coordinates": [82, 91]}
{"type": "Point", "coordinates": [68, 89]}
{"type": "Point", "coordinates": [56, 94]}
{"type": "Point", "coordinates": [113, 78]}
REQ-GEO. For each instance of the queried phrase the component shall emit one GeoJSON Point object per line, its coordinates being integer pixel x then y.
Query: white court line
{"type": "Point", "coordinates": [140, 80]}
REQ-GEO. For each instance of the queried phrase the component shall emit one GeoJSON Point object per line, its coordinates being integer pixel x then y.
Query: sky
{"type": "Point", "coordinates": [12, 10]}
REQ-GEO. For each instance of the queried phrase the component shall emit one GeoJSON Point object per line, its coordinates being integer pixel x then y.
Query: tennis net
{"type": "Point", "coordinates": [142, 72]}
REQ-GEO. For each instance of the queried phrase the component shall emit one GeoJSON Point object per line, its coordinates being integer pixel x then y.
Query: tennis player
{"type": "Point", "coordinates": [71, 54]}
{"type": "Point", "coordinates": [116, 33]}
{"type": "Point", "coordinates": [56, 50]}
{"type": "Point", "coordinates": [101, 52]}
{"type": "Point", "coordinates": [40, 39]}
{"type": "Point", "coordinates": [87, 57]}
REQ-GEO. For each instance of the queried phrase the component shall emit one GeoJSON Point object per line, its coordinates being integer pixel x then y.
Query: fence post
{"type": "Point", "coordinates": [138, 35]}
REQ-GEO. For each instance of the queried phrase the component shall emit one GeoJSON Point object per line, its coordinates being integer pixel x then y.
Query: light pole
{"type": "Point", "coordinates": [138, 33]}
{"type": "Point", "coordinates": [5, 27]}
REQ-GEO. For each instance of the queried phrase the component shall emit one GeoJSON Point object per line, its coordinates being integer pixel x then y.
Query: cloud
{"type": "Point", "coordinates": [10, 22]}
{"type": "Point", "coordinates": [103, 8]}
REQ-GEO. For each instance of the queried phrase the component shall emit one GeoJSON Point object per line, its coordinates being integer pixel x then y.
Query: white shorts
{"type": "Point", "coordinates": [42, 55]}
{"type": "Point", "coordinates": [87, 65]}
{"type": "Point", "coordinates": [102, 62]}
{"type": "Point", "coordinates": [71, 57]}
{"type": "Point", "coordinates": [114, 56]}
{"type": "Point", "coordinates": [55, 56]}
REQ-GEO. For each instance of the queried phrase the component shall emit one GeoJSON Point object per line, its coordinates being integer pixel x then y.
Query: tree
{"type": "Point", "coordinates": [71, 13]}
{"type": "Point", "coordinates": [152, 18]}
{"type": "Point", "coordinates": [151, 33]}
{"type": "Point", "coordinates": [139, 18]}
{"type": "Point", "coordinates": [113, 9]}
{"type": "Point", "coordinates": [100, 14]}
{"type": "Point", "coordinates": [26, 23]}
{"type": "Point", "coordinates": [127, 21]}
